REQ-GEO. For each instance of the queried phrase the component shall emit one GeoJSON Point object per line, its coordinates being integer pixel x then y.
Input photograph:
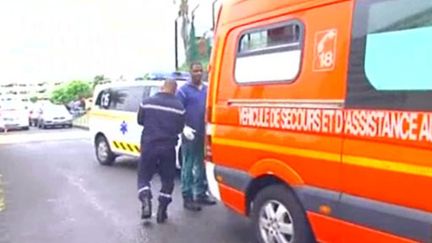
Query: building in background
{"type": "Point", "coordinates": [21, 91]}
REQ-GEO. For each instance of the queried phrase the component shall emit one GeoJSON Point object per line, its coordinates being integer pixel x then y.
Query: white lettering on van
{"type": "Point", "coordinates": [339, 122]}
{"type": "Point", "coordinates": [406, 126]}
{"type": "Point", "coordinates": [411, 124]}
{"type": "Point", "coordinates": [426, 128]}
{"type": "Point", "coordinates": [275, 117]}
{"type": "Point", "coordinates": [244, 113]}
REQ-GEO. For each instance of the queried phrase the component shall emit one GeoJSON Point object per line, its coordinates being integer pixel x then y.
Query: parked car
{"type": "Point", "coordinates": [13, 115]}
{"type": "Point", "coordinates": [54, 115]}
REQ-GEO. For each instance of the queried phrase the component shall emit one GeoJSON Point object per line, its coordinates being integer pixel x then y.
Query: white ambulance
{"type": "Point", "coordinates": [113, 118]}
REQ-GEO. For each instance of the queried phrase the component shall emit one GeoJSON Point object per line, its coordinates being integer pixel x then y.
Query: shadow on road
{"type": "Point", "coordinates": [126, 163]}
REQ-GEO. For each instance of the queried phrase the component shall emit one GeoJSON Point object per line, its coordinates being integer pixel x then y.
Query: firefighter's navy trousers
{"type": "Point", "coordinates": [161, 159]}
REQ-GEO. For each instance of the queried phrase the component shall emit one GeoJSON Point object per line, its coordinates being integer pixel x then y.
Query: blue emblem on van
{"type": "Point", "coordinates": [123, 127]}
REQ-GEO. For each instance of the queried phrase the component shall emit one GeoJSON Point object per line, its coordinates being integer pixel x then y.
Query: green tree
{"type": "Point", "coordinates": [33, 99]}
{"type": "Point", "coordinates": [71, 91]}
{"type": "Point", "coordinates": [59, 96]}
{"type": "Point", "coordinates": [79, 89]}
{"type": "Point", "coordinates": [98, 79]}
{"type": "Point", "coordinates": [192, 50]}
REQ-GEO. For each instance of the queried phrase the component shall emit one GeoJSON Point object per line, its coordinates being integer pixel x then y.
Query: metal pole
{"type": "Point", "coordinates": [213, 13]}
{"type": "Point", "coordinates": [176, 44]}
{"type": "Point", "coordinates": [193, 11]}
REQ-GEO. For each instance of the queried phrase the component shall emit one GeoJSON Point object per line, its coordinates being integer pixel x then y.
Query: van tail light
{"type": "Point", "coordinates": [208, 155]}
{"type": "Point", "coordinates": [208, 112]}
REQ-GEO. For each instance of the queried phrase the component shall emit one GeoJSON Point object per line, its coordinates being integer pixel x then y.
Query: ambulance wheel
{"type": "Point", "coordinates": [278, 217]}
{"type": "Point", "coordinates": [103, 151]}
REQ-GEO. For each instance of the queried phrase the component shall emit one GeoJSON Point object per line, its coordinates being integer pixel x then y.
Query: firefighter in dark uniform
{"type": "Point", "coordinates": [162, 116]}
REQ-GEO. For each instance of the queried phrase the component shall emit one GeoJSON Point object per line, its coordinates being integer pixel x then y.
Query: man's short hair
{"type": "Point", "coordinates": [170, 85]}
{"type": "Point", "coordinates": [195, 63]}
{"type": "Point", "coordinates": [170, 82]}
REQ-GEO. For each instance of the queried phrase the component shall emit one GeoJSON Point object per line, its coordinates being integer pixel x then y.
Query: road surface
{"type": "Point", "coordinates": [53, 190]}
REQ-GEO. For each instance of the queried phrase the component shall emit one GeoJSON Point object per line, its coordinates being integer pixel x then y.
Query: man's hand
{"type": "Point", "coordinates": [189, 133]}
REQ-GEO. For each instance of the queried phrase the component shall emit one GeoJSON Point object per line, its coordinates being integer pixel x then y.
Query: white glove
{"type": "Point", "coordinates": [189, 133]}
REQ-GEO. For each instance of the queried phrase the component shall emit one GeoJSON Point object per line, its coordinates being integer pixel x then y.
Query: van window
{"type": "Point", "coordinates": [391, 55]}
{"type": "Point", "coordinates": [150, 91]}
{"type": "Point", "coordinates": [273, 53]}
{"type": "Point", "coordinates": [154, 90]}
{"type": "Point", "coordinates": [121, 99]}
{"type": "Point", "coordinates": [103, 99]}
{"type": "Point", "coordinates": [127, 98]}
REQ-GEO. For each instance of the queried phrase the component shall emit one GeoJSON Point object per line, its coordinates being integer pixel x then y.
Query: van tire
{"type": "Point", "coordinates": [274, 197]}
{"type": "Point", "coordinates": [104, 155]}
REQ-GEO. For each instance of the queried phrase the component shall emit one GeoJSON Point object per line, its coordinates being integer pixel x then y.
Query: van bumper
{"type": "Point", "coordinates": [229, 186]}
{"type": "Point", "coordinates": [211, 180]}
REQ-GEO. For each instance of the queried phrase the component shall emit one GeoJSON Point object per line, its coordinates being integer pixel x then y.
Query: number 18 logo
{"type": "Point", "coordinates": [325, 50]}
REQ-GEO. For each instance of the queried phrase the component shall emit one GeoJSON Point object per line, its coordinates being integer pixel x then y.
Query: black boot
{"type": "Point", "coordinates": [189, 204]}
{"type": "Point", "coordinates": [162, 214]}
{"type": "Point", "coordinates": [205, 200]}
{"type": "Point", "coordinates": [146, 204]}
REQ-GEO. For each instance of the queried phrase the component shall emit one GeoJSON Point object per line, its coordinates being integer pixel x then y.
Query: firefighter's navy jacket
{"type": "Point", "coordinates": [163, 118]}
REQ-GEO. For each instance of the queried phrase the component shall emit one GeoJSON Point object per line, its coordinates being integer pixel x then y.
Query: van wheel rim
{"type": "Point", "coordinates": [102, 151]}
{"type": "Point", "coordinates": [275, 223]}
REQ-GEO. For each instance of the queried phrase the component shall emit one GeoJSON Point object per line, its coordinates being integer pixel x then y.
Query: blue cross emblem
{"type": "Point", "coordinates": [123, 127]}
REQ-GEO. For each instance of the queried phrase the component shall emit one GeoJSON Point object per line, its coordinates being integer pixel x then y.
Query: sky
{"type": "Point", "coordinates": [62, 40]}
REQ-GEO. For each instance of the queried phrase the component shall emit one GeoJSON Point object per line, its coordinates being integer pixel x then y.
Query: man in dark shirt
{"type": "Point", "coordinates": [193, 96]}
{"type": "Point", "coordinates": [162, 116]}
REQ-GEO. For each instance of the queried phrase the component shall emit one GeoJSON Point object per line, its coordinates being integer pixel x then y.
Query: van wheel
{"type": "Point", "coordinates": [278, 217]}
{"type": "Point", "coordinates": [103, 151]}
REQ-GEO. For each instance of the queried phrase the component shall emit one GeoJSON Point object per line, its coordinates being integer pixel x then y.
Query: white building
{"type": "Point", "coordinates": [24, 91]}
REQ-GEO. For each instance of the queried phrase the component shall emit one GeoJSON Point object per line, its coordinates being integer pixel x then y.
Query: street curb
{"type": "Point", "coordinates": [81, 122]}
{"type": "Point", "coordinates": [81, 127]}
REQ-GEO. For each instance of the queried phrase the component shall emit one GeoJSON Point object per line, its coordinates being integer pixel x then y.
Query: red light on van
{"type": "Point", "coordinates": [208, 113]}
{"type": "Point", "coordinates": [208, 154]}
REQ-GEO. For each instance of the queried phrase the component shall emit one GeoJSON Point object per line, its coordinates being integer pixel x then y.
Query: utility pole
{"type": "Point", "coordinates": [214, 13]}
{"type": "Point", "coordinates": [193, 11]}
{"type": "Point", "coordinates": [176, 43]}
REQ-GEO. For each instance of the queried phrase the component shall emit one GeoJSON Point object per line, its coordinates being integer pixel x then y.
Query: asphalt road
{"type": "Point", "coordinates": [53, 190]}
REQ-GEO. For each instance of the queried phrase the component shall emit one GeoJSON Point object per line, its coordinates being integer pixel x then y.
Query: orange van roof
{"type": "Point", "coordinates": [233, 10]}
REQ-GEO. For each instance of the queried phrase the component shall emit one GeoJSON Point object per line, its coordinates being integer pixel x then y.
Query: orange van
{"type": "Point", "coordinates": [319, 118]}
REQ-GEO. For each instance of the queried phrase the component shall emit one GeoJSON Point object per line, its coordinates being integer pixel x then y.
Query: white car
{"type": "Point", "coordinates": [113, 119]}
{"type": "Point", "coordinates": [54, 115]}
{"type": "Point", "coordinates": [13, 115]}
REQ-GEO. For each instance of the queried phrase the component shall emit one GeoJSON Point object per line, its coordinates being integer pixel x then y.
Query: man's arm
{"type": "Point", "coordinates": [140, 117]}
{"type": "Point", "coordinates": [180, 123]}
{"type": "Point", "coordinates": [181, 96]}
